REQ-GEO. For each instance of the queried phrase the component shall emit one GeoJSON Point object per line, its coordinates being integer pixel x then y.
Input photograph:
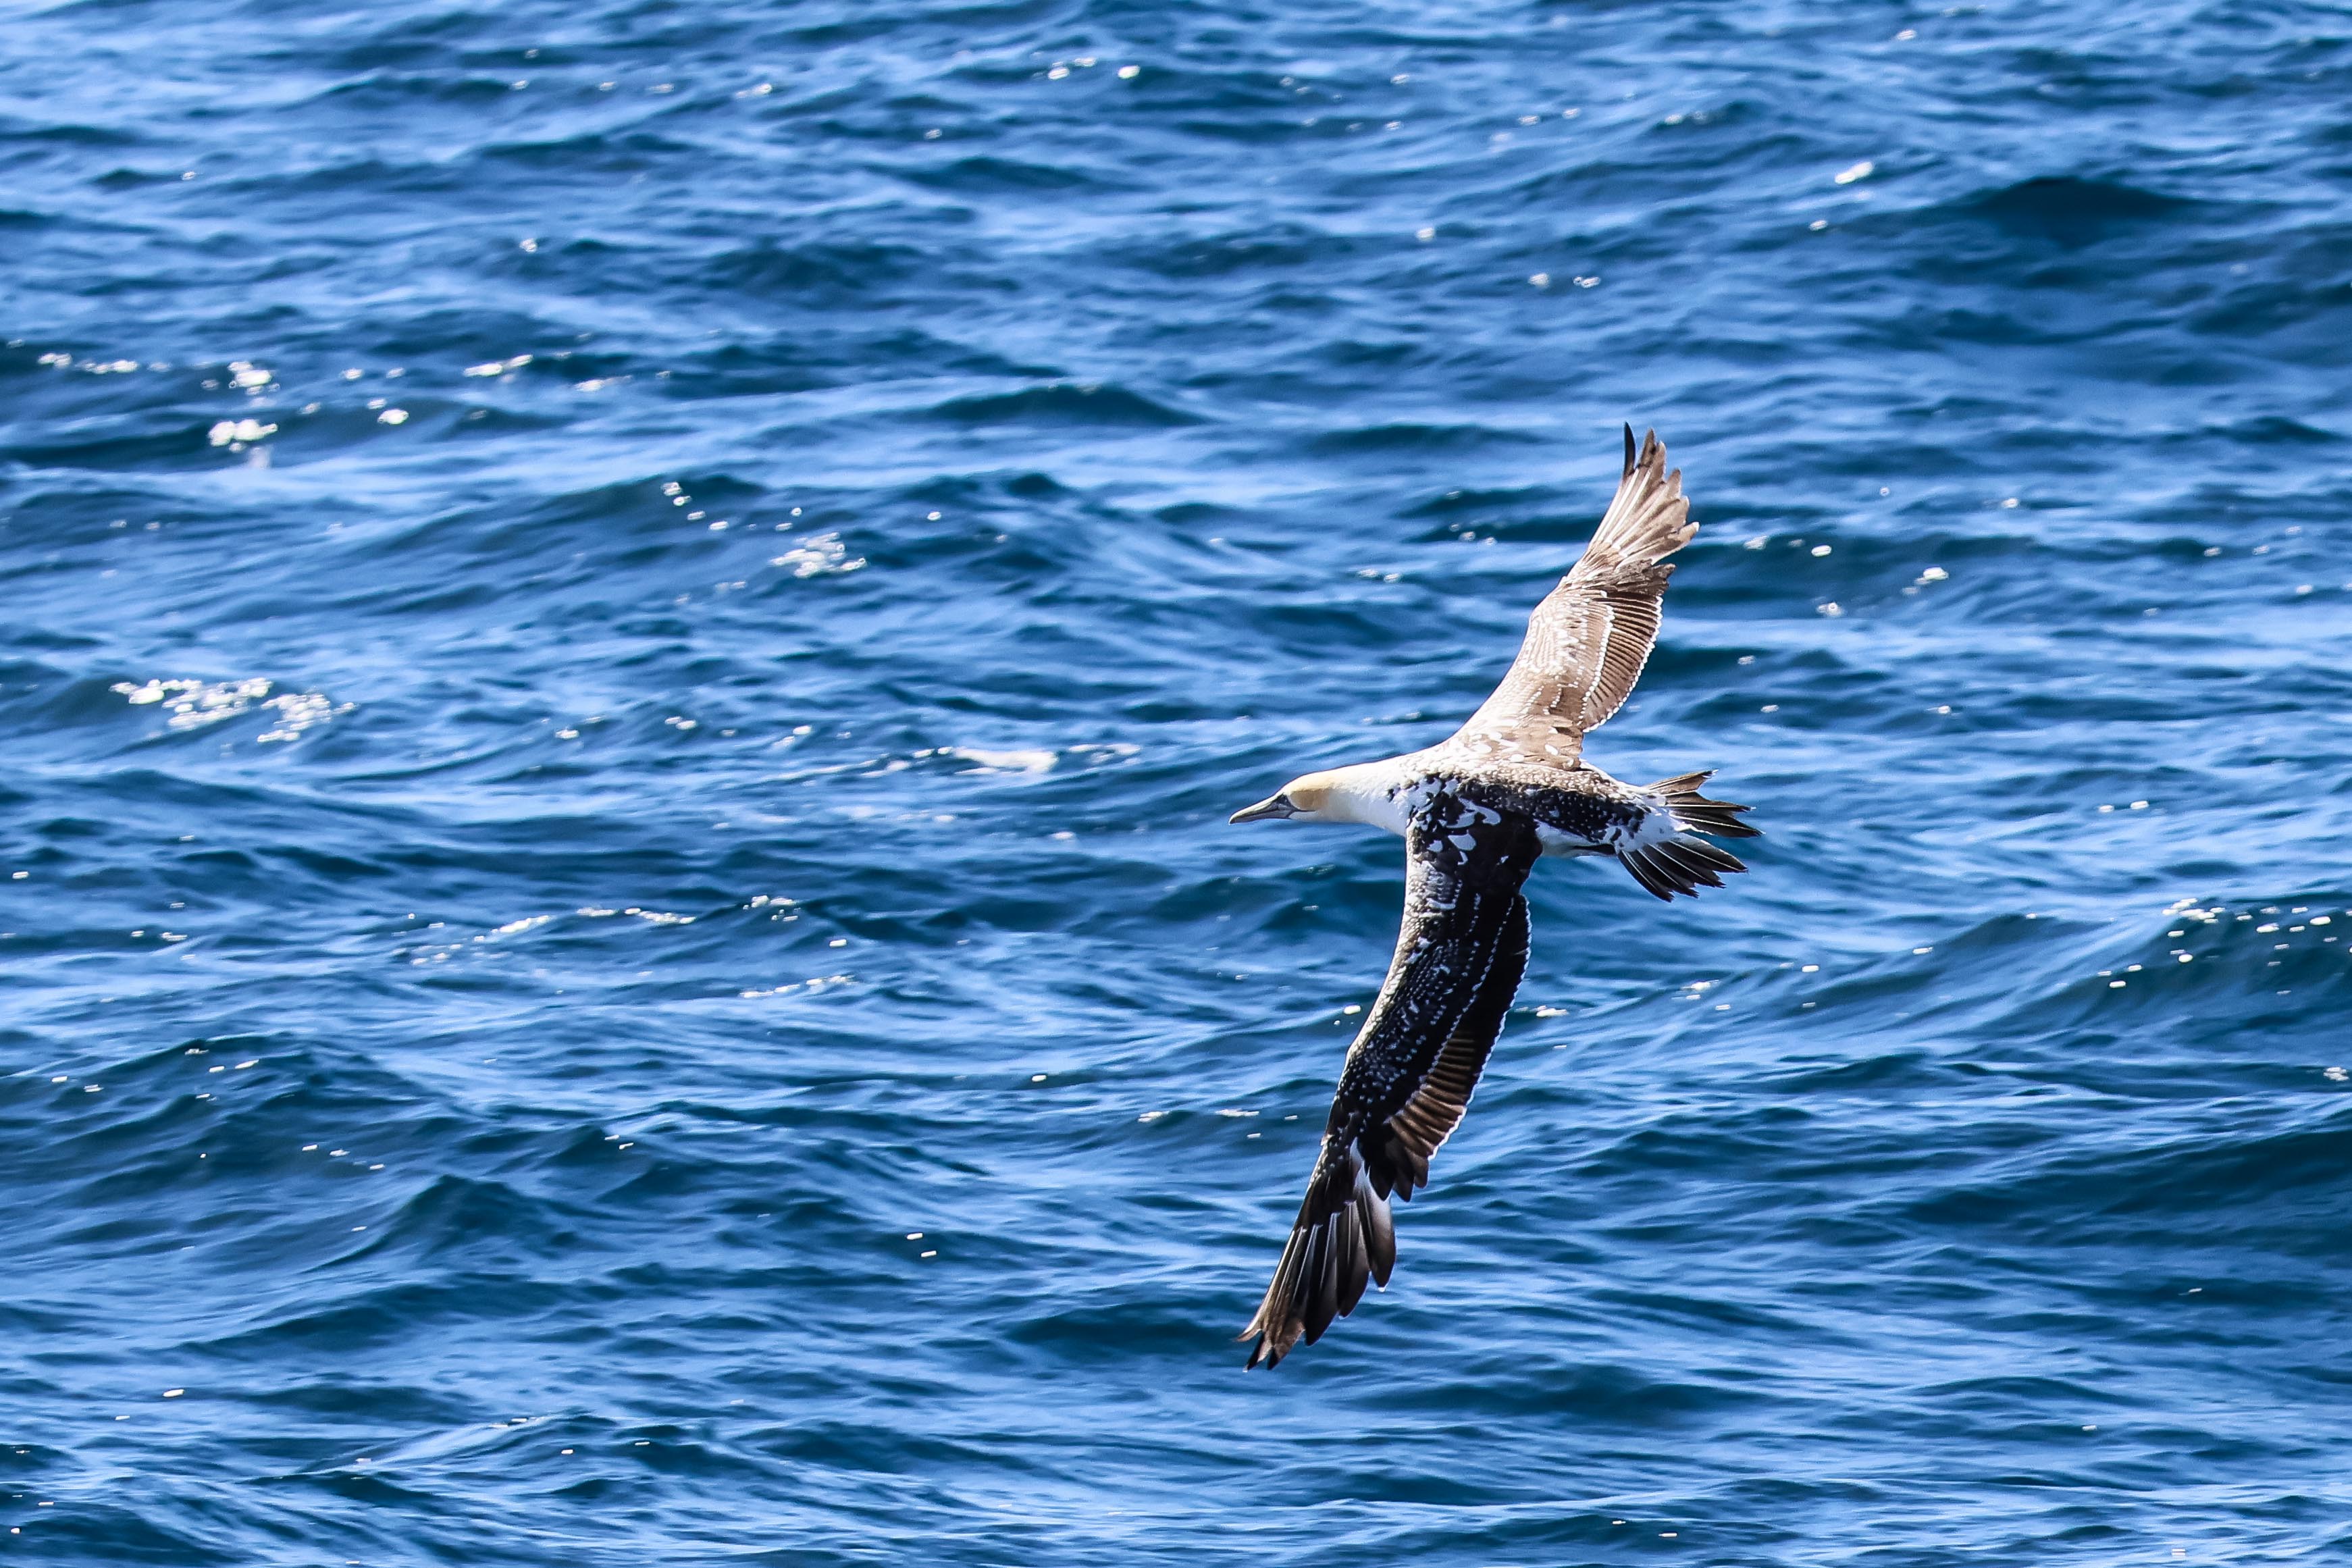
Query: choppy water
{"type": "Point", "coordinates": [630, 627]}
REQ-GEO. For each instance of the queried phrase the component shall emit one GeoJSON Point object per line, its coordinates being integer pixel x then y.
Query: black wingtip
{"type": "Point", "coordinates": [1629, 456]}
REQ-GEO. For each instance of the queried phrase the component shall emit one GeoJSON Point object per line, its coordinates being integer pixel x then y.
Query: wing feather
{"type": "Point", "coordinates": [1410, 1074]}
{"type": "Point", "coordinates": [1589, 639]}
{"type": "Point", "coordinates": [1437, 1105]}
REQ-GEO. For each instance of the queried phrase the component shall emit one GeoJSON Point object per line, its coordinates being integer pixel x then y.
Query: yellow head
{"type": "Point", "coordinates": [1310, 795]}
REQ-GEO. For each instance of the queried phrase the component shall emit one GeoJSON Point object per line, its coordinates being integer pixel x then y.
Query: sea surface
{"type": "Point", "coordinates": [630, 627]}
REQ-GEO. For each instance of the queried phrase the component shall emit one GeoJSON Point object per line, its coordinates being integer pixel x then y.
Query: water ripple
{"type": "Point", "coordinates": [632, 633]}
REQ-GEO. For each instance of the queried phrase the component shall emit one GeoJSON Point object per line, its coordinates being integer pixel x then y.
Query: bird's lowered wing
{"type": "Point", "coordinates": [1410, 1074]}
{"type": "Point", "coordinates": [1586, 642]}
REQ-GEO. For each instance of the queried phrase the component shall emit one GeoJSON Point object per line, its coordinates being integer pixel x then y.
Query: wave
{"type": "Point", "coordinates": [1064, 402]}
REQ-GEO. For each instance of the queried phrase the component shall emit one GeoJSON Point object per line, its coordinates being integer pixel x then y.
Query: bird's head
{"type": "Point", "coordinates": [1308, 796]}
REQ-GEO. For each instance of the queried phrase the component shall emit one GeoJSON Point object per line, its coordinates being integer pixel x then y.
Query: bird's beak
{"type": "Point", "coordinates": [1278, 805]}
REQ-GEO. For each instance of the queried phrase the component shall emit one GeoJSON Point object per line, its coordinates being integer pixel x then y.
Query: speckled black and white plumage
{"type": "Point", "coordinates": [1477, 811]}
{"type": "Point", "coordinates": [1408, 1075]}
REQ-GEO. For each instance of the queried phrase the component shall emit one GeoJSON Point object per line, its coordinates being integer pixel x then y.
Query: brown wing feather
{"type": "Point", "coordinates": [1589, 638]}
{"type": "Point", "coordinates": [1409, 1076]}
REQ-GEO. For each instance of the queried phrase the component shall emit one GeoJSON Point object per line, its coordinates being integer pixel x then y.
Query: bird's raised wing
{"type": "Point", "coordinates": [1410, 1074]}
{"type": "Point", "coordinates": [1586, 642]}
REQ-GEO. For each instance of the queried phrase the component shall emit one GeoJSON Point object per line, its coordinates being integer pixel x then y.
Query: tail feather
{"type": "Point", "coordinates": [1694, 813]}
{"type": "Point", "coordinates": [1695, 871]}
{"type": "Point", "coordinates": [1707, 855]}
{"type": "Point", "coordinates": [1654, 877]}
{"type": "Point", "coordinates": [1682, 862]}
{"type": "Point", "coordinates": [1662, 872]}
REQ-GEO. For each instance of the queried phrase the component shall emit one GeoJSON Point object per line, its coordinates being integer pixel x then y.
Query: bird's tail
{"type": "Point", "coordinates": [1694, 813]}
{"type": "Point", "coordinates": [1681, 862]}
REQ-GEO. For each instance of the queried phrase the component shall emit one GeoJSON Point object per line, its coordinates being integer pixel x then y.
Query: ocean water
{"type": "Point", "coordinates": [630, 627]}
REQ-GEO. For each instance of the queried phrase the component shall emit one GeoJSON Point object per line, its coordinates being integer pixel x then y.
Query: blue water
{"type": "Point", "coordinates": [630, 627]}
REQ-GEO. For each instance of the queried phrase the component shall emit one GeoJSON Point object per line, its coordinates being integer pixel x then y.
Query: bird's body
{"type": "Point", "coordinates": [1476, 812]}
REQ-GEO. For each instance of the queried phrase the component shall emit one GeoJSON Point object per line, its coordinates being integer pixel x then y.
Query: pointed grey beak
{"type": "Point", "coordinates": [1278, 805]}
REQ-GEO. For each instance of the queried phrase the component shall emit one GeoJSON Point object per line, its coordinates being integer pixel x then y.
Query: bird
{"type": "Point", "coordinates": [1476, 812]}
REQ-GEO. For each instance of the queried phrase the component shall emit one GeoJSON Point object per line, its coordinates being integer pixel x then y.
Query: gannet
{"type": "Point", "coordinates": [1474, 812]}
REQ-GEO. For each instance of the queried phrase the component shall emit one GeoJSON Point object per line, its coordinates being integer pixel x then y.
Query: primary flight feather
{"type": "Point", "coordinates": [1476, 812]}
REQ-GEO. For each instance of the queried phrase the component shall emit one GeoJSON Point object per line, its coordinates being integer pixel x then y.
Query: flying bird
{"type": "Point", "coordinates": [1475, 811]}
